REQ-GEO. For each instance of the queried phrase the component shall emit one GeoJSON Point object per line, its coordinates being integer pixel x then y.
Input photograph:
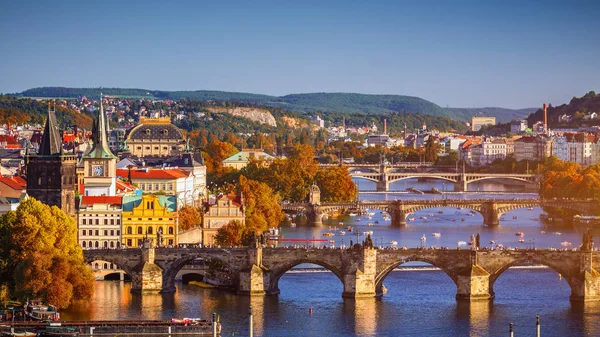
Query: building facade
{"type": "Point", "coordinates": [155, 137]}
{"type": "Point", "coordinates": [478, 122]}
{"type": "Point", "coordinates": [99, 222]}
{"type": "Point", "coordinates": [217, 215]}
{"type": "Point", "coordinates": [149, 216]}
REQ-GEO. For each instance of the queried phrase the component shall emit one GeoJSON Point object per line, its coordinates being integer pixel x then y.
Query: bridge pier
{"type": "Point", "coordinates": [383, 185]}
{"type": "Point", "coordinates": [360, 282]}
{"type": "Point", "coordinates": [398, 218]}
{"type": "Point", "coordinates": [315, 219]}
{"type": "Point", "coordinates": [255, 280]}
{"type": "Point", "coordinates": [460, 185]}
{"type": "Point", "coordinates": [586, 286]}
{"type": "Point", "coordinates": [147, 277]}
{"type": "Point", "coordinates": [491, 217]}
{"type": "Point", "coordinates": [474, 285]}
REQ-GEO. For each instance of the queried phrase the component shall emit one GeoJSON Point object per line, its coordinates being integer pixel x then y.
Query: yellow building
{"type": "Point", "coordinates": [147, 216]}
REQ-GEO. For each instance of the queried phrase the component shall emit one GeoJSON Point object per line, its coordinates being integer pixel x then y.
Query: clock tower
{"type": "Point", "coordinates": [100, 165]}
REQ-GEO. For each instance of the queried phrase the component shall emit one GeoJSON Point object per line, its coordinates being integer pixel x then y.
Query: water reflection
{"type": "Point", "coordinates": [476, 314]}
{"type": "Point", "coordinates": [365, 313]}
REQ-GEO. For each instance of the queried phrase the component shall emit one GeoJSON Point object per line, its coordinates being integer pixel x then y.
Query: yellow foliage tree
{"type": "Point", "coordinates": [40, 255]}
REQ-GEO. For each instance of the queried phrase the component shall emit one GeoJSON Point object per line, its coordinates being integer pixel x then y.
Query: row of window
{"type": "Point", "coordinates": [150, 230]}
{"type": "Point", "coordinates": [97, 222]}
{"type": "Point", "coordinates": [149, 219]}
{"type": "Point", "coordinates": [97, 215]}
{"type": "Point", "coordinates": [96, 244]}
{"type": "Point", "coordinates": [97, 232]}
{"type": "Point", "coordinates": [156, 148]}
{"type": "Point", "coordinates": [156, 187]}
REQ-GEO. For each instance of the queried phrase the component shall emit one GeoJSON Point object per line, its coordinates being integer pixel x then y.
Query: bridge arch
{"type": "Point", "coordinates": [100, 260]}
{"type": "Point", "coordinates": [381, 275]}
{"type": "Point", "coordinates": [521, 179]}
{"type": "Point", "coordinates": [279, 270]}
{"type": "Point", "coordinates": [562, 269]}
{"type": "Point", "coordinates": [368, 178]}
{"type": "Point", "coordinates": [437, 177]}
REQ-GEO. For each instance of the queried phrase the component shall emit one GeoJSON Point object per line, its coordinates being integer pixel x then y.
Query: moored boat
{"type": "Point", "coordinates": [58, 331]}
{"type": "Point", "coordinates": [436, 234]}
{"type": "Point", "coordinates": [520, 234]}
{"type": "Point", "coordinates": [19, 334]}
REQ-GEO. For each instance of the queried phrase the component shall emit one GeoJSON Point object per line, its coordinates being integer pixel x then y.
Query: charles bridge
{"type": "Point", "coordinates": [362, 271]}
{"type": "Point", "coordinates": [385, 174]}
{"type": "Point", "coordinates": [491, 209]}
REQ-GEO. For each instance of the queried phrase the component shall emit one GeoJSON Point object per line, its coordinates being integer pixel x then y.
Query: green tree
{"type": "Point", "coordinates": [40, 256]}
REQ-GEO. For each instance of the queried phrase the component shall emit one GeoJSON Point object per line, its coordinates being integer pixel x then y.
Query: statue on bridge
{"type": "Point", "coordinates": [588, 241]}
{"type": "Point", "coordinates": [159, 237]}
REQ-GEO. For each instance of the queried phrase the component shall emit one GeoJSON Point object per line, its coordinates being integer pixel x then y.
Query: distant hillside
{"type": "Point", "coordinates": [21, 111]}
{"type": "Point", "coordinates": [309, 102]}
{"type": "Point", "coordinates": [577, 108]}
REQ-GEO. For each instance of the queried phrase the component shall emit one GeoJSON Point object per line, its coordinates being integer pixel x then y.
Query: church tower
{"type": "Point", "coordinates": [51, 172]}
{"type": "Point", "coordinates": [100, 165]}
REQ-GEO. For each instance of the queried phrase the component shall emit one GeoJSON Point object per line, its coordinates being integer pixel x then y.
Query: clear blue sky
{"type": "Point", "coordinates": [477, 53]}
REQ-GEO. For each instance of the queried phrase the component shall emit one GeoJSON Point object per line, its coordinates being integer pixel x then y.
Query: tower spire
{"type": "Point", "coordinates": [51, 143]}
{"type": "Point", "coordinates": [100, 149]}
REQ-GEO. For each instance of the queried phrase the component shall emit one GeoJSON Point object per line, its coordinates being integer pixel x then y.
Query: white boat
{"type": "Point", "coordinates": [370, 224]}
{"type": "Point", "coordinates": [394, 243]}
{"type": "Point", "coordinates": [565, 243]}
{"type": "Point", "coordinates": [437, 235]}
{"type": "Point", "coordinates": [342, 233]}
{"type": "Point", "coordinates": [461, 243]}
{"type": "Point", "coordinates": [430, 214]}
{"type": "Point", "coordinates": [293, 225]}
{"type": "Point", "coordinates": [557, 233]}
{"type": "Point", "coordinates": [351, 214]}
{"type": "Point", "coordinates": [521, 234]}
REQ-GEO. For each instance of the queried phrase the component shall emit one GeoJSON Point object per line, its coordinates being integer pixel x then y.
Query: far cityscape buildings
{"type": "Point", "coordinates": [128, 183]}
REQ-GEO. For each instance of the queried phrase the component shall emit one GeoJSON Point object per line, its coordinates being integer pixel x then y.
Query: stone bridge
{"type": "Point", "coordinates": [491, 209]}
{"type": "Point", "coordinates": [362, 271]}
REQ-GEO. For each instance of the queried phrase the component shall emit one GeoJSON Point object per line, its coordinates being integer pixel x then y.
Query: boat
{"type": "Point", "coordinates": [342, 233]}
{"type": "Point", "coordinates": [430, 214]}
{"type": "Point", "coordinates": [453, 220]}
{"type": "Point", "coordinates": [521, 234]}
{"type": "Point", "coordinates": [370, 224]}
{"type": "Point", "coordinates": [423, 217]}
{"type": "Point", "coordinates": [565, 243]}
{"type": "Point", "coordinates": [492, 242]}
{"type": "Point", "coordinates": [557, 233]}
{"type": "Point", "coordinates": [536, 219]}
{"type": "Point", "coordinates": [370, 232]}
{"type": "Point", "coordinates": [437, 235]}
{"type": "Point", "coordinates": [461, 243]}
{"type": "Point", "coordinates": [341, 223]}
{"type": "Point", "coordinates": [530, 208]}
{"type": "Point", "coordinates": [462, 219]}
{"type": "Point", "coordinates": [351, 214]}
{"type": "Point", "coordinates": [19, 334]}
{"type": "Point", "coordinates": [376, 221]}
{"type": "Point", "coordinates": [521, 240]}
{"type": "Point", "coordinates": [328, 234]}
{"type": "Point", "coordinates": [293, 225]}
{"type": "Point", "coordinates": [349, 229]}
{"type": "Point", "coordinates": [542, 232]}
{"type": "Point", "coordinates": [58, 331]}
{"type": "Point", "coordinates": [394, 243]}
{"type": "Point", "coordinates": [201, 284]}
{"type": "Point", "coordinates": [440, 212]}
{"type": "Point", "coordinates": [412, 219]}
{"type": "Point", "coordinates": [41, 312]}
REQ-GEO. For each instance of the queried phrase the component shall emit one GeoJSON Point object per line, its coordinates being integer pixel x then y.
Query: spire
{"type": "Point", "coordinates": [100, 149]}
{"type": "Point", "coordinates": [51, 143]}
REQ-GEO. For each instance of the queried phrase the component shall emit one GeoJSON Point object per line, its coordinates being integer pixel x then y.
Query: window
{"type": "Point", "coordinates": [149, 230]}
{"type": "Point", "coordinates": [139, 242]}
{"type": "Point", "coordinates": [112, 232]}
{"type": "Point", "coordinates": [148, 148]}
{"type": "Point", "coordinates": [140, 231]}
{"type": "Point", "coordinates": [97, 232]}
{"type": "Point", "coordinates": [156, 147]}
{"type": "Point", "coordinates": [171, 230]}
{"type": "Point", "coordinates": [97, 222]}
{"type": "Point", "coordinates": [162, 187]}
{"type": "Point", "coordinates": [139, 148]}
{"type": "Point", "coordinates": [96, 244]}
{"type": "Point", "coordinates": [112, 221]}
{"type": "Point", "coordinates": [112, 244]}
{"type": "Point", "coordinates": [119, 221]}
{"type": "Point", "coordinates": [118, 232]}
{"type": "Point", "coordinates": [156, 187]}
{"type": "Point", "coordinates": [84, 222]}
{"type": "Point", "coordinates": [105, 244]}
{"type": "Point", "coordinates": [129, 242]}
{"type": "Point", "coordinates": [170, 241]}
{"type": "Point", "coordinates": [169, 187]}
{"type": "Point", "coordinates": [165, 132]}
{"type": "Point", "coordinates": [106, 232]}
{"type": "Point", "coordinates": [83, 244]}
{"type": "Point", "coordinates": [147, 131]}
{"type": "Point", "coordinates": [106, 221]}
{"type": "Point", "coordinates": [90, 244]}
{"type": "Point", "coordinates": [129, 231]}
{"type": "Point", "coordinates": [83, 232]}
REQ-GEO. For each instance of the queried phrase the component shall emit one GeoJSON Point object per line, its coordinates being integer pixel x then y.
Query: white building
{"type": "Point", "coordinates": [99, 222]}
{"type": "Point", "coordinates": [579, 148]}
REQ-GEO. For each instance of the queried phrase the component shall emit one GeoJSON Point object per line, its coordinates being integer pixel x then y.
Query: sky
{"type": "Point", "coordinates": [512, 54]}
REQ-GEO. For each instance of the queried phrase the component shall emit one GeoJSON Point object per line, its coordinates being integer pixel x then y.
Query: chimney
{"type": "Point", "coordinates": [545, 119]}
{"type": "Point", "coordinates": [385, 126]}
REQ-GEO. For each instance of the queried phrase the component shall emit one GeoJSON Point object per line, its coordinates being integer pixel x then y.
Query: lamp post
{"type": "Point", "coordinates": [443, 189]}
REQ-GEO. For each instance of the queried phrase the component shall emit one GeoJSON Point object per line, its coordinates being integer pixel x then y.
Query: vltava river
{"type": "Point", "coordinates": [419, 302]}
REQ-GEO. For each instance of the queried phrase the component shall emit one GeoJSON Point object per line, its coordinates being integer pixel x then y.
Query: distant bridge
{"type": "Point", "coordinates": [383, 175]}
{"type": "Point", "coordinates": [491, 209]}
{"type": "Point", "coordinates": [257, 271]}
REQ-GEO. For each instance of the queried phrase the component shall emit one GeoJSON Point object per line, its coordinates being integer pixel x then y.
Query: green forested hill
{"type": "Point", "coordinates": [309, 102]}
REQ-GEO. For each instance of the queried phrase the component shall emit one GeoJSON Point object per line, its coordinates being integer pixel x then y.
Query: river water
{"type": "Point", "coordinates": [420, 300]}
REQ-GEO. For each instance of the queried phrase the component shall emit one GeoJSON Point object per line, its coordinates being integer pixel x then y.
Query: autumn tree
{"type": "Point", "coordinates": [231, 234]}
{"type": "Point", "coordinates": [189, 217]}
{"type": "Point", "coordinates": [261, 206]}
{"type": "Point", "coordinates": [40, 256]}
{"type": "Point", "coordinates": [336, 184]}
{"type": "Point", "coordinates": [216, 152]}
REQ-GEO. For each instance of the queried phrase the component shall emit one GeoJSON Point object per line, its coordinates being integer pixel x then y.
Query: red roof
{"type": "Point", "coordinates": [8, 139]}
{"type": "Point", "coordinates": [16, 183]}
{"type": "Point", "coordinates": [90, 200]}
{"type": "Point", "coordinates": [124, 186]}
{"type": "Point", "coordinates": [153, 174]}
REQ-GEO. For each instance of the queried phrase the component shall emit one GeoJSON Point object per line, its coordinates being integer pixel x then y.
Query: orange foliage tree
{"type": "Point", "coordinates": [231, 234]}
{"type": "Point", "coordinates": [40, 257]}
{"type": "Point", "coordinates": [189, 217]}
{"type": "Point", "coordinates": [336, 184]}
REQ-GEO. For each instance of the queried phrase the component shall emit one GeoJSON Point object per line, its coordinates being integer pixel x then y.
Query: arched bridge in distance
{"type": "Point", "coordinates": [490, 209]}
{"type": "Point", "coordinates": [385, 174]}
{"type": "Point", "coordinates": [362, 271]}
